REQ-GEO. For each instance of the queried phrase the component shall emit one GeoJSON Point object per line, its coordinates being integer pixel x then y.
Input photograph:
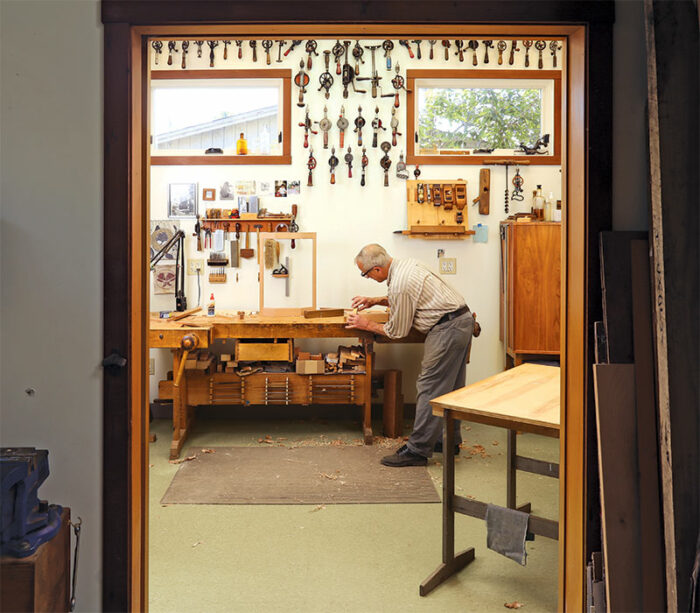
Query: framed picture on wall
{"type": "Point", "coordinates": [182, 200]}
{"type": "Point", "coordinates": [208, 193]}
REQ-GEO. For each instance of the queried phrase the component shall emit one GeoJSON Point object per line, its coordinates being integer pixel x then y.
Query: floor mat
{"type": "Point", "coordinates": [303, 475]}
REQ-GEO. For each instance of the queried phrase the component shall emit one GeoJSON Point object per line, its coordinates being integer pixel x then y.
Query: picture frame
{"type": "Point", "coordinates": [209, 193]}
{"type": "Point", "coordinates": [182, 200]}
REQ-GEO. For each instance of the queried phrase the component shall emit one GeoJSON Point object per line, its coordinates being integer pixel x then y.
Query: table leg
{"type": "Point", "coordinates": [367, 400]}
{"type": "Point", "coordinates": [451, 564]}
{"type": "Point", "coordinates": [511, 474]}
{"type": "Point", "coordinates": [181, 414]}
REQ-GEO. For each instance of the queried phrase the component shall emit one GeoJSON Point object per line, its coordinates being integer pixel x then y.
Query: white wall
{"type": "Point", "coordinates": [347, 216]}
{"type": "Point", "coordinates": [52, 255]}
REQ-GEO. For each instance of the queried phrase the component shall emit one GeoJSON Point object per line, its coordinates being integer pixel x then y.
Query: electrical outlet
{"type": "Point", "coordinates": [448, 266]}
{"type": "Point", "coordinates": [152, 366]}
{"type": "Point", "coordinates": [195, 265]}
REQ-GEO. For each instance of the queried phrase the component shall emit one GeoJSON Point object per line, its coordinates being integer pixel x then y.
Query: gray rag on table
{"type": "Point", "coordinates": [506, 530]}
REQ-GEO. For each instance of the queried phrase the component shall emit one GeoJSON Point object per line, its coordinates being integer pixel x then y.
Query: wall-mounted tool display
{"type": "Point", "coordinates": [446, 45]}
{"type": "Point", "coordinates": [333, 162]}
{"type": "Point", "coordinates": [474, 45]}
{"type": "Point", "coordinates": [157, 48]}
{"type": "Point", "coordinates": [364, 161]}
{"type": "Point", "coordinates": [213, 44]}
{"type": "Point", "coordinates": [359, 124]}
{"type": "Point", "coordinates": [267, 45]}
{"type": "Point", "coordinates": [501, 46]}
{"type": "Point", "coordinates": [401, 171]}
{"type": "Point", "coordinates": [293, 45]}
{"type": "Point", "coordinates": [484, 197]}
{"type": "Point", "coordinates": [325, 125]}
{"type": "Point", "coordinates": [337, 52]}
{"type": "Point", "coordinates": [404, 43]}
{"type": "Point", "coordinates": [185, 47]}
{"type": "Point", "coordinates": [307, 125]}
{"type": "Point", "coordinates": [254, 46]}
{"type": "Point", "coordinates": [310, 164]}
{"type": "Point", "coordinates": [459, 44]}
{"type": "Point", "coordinates": [527, 44]}
{"type": "Point", "coordinates": [518, 182]}
{"type": "Point", "coordinates": [310, 49]}
{"type": "Point", "coordinates": [540, 45]}
{"type": "Point", "coordinates": [301, 80]}
{"type": "Point", "coordinates": [375, 78]}
{"type": "Point", "coordinates": [431, 55]}
{"type": "Point", "coordinates": [348, 161]}
{"type": "Point", "coordinates": [280, 44]}
{"type": "Point", "coordinates": [439, 221]}
{"type": "Point", "coordinates": [385, 162]}
{"type": "Point", "coordinates": [357, 53]}
{"type": "Point", "coordinates": [554, 46]}
{"type": "Point", "coordinates": [488, 44]}
{"type": "Point", "coordinates": [513, 50]}
{"type": "Point", "coordinates": [326, 78]}
{"type": "Point", "coordinates": [388, 45]}
{"type": "Point", "coordinates": [507, 164]}
{"type": "Point", "coordinates": [342, 124]}
{"type": "Point", "coordinates": [376, 126]}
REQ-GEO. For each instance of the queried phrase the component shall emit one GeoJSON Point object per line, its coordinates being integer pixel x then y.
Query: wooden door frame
{"type": "Point", "coordinates": [588, 161]}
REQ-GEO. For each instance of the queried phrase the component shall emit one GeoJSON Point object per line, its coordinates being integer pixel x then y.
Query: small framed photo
{"type": "Point", "coordinates": [226, 191]}
{"type": "Point", "coordinates": [293, 188]}
{"type": "Point", "coordinates": [209, 193]}
{"type": "Point", "coordinates": [182, 200]}
{"type": "Point", "coordinates": [280, 189]}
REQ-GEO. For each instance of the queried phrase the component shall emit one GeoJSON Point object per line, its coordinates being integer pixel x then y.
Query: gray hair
{"type": "Point", "coordinates": [371, 256]}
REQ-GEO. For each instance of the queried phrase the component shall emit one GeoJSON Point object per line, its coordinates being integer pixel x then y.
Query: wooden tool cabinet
{"type": "Point", "coordinates": [530, 289]}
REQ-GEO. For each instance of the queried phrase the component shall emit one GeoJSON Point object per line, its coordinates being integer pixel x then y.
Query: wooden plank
{"type": "Point", "coordinates": [176, 316]}
{"type": "Point", "coordinates": [617, 463]}
{"type": "Point", "coordinates": [323, 312]}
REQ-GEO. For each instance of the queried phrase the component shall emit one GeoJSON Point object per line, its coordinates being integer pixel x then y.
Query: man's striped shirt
{"type": "Point", "coordinates": [417, 297]}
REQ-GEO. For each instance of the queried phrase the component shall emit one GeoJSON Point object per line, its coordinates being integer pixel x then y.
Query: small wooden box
{"type": "Point", "coordinates": [311, 367]}
{"type": "Point", "coordinates": [265, 352]}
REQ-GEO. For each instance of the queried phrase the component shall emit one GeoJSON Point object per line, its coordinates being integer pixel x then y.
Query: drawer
{"type": "Point", "coordinates": [265, 352]}
{"type": "Point", "coordinates": [172, 338]}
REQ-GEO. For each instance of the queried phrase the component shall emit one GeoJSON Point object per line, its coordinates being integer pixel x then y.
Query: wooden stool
{"type": "Point", "coordinates": [392, 409]}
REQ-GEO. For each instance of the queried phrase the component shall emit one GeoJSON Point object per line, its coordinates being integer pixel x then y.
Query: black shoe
{"type": "Point", "coordinates": [404, 457]}
{"type": "Point", "coordinates": [438, 448]}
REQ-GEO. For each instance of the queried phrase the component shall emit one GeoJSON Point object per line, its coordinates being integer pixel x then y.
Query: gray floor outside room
{"type": "Point", "coordinates": [353, 557]}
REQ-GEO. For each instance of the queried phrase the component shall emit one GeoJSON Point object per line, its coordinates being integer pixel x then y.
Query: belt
{"type": "Point", "coordinates": [453, 315]}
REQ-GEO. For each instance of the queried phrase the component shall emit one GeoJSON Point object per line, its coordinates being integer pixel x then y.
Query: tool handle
{"type": "Point", "coordinates": [325, 139]}
{"type": "Point", "coordinates": [332, 178]}
{"type": "Point", "coordinates": [386, 178]}
{"type": "Point", "coordinates": [359, 138]}
{"type": "Point", "coordinates": [410, 53]}
{"type": "Point", "coordinates": [181, 368]}
{"type": "Point", "coordinates": [199, 242]}
{"type": "Point", "coordinates": [362, 180]}
{"type": "Point", "coordinates": [295, 210]}
{"type": "Point", "coordinates": [240, 53]}
{"type": "Point", "coordinates": [396, 100]}
{"type": "Point", "coordinates": [393, 138]}
{"type": "Point", "coordinates": [342, 138]}
{"type": "Point", "coordinates": [183, 65]}
{"type": "Point", "coordinates": [310, 182]}
{"type": "Point", "coordinates": [431, 52]}
{"type": "Point", "coordinates": [349, 172]}
{"type": "Point", "coordinates": [306, 140]}
{"type": "Point", "coordinates": [337, 67]}
{"type": "Point", "coordinates": [301, 97]}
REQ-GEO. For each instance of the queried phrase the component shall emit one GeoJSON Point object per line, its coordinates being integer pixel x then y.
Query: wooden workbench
{"type": "Point", "coordinates": [525, 399]}
{"type": "Point", "coordinates": [226, 388]}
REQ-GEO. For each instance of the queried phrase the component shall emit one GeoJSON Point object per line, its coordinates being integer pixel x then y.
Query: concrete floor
{"type": "Point", "coordinates": [354, 558]}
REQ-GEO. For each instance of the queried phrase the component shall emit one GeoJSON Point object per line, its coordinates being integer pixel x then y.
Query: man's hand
{"type": "Point", "coordinates": [364, 302]}
{"type": "Point", "coordinates": [360, 322]}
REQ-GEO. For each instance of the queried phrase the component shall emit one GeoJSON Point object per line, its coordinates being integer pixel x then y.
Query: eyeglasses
{"type": "Point", "coordinates": [369, 270]}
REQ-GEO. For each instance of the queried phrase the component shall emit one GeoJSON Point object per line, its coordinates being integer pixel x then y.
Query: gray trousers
{"type": "Point", "coordinates": [443, 369]}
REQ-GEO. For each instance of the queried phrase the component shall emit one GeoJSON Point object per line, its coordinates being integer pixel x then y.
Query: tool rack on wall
{"type": "Point", "coordinates": [271, 223]}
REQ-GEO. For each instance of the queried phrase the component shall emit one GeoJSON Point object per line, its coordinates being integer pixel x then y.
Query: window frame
{"type": "Point", "coordinates": [203, 159]}
{"type": "Point", "coordinates": [553, 159]}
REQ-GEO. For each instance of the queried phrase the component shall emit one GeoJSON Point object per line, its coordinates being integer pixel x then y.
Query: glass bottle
{"type": "Point", "coordinates": [242, 145]}
{"type": "Point", "coordinates": [557, 212]}
{"type": "Point", "coordinates": [538, 203]}
{"type": "Point", "coordinates": [549, 206]}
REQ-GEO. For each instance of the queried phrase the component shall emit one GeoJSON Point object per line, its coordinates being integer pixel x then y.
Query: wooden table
{"type": "Point", "coordinates": [526, 399]}
{"type": "Point", "coordinates": [227, 325]}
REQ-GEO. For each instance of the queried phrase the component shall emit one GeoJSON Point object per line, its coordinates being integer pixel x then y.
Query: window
{"type": "Point", "coordinates": [194, 111]}
{"type": "Point", "coordinates": [469, 117]}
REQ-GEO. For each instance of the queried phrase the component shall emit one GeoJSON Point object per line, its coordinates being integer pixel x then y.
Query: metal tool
{"type": "Point", "coordinates": [301, 80]}
{"type": "Point", "coordinates": [517, 186]}
{"type": "Point", "coordinates": [404, 43]}
{"type": "Point", "coordinates": [226, 43]}
{"type": "Point", "coordinates": [501, 46]}
{"type": "Point", "coordinates": [513, 50]}
{"type": "Point", "coordinates": [247, 252]}
{"type": "Point", "coordinates": [416, 171]}
{"type": "Point", "coordinates": [506, 193]}
{"type": "Point", "coordinates": [325, 125]}
{"type": "Point", "coordinates": [307, 125]}
{"type": "Point", "coordinates": [398, 83]}
{"type": "Point", "coordinates": [310, 164]}
{"type": "Point", "coordinates": [394, 123]}
{"type": "Point", "coordinates": [488, 44]}
{"type": "Point", "coordinates": [333, 162]}
{"type": "Point", "coordinates": [473, 45]}
{"type": "Point", "coordinates": [527, 44]}
{"type": "Point", "coordinates": [385, 162]}
{"type": "Point", "coordinates": [446, 44]}
{"type": "Point", "coordinates": [401, 171]}
{"type": "Point", "coordinates": [158, 48]}
{"type": "Point", "coordinates": [349, 74]}
{"type": "Point", "coordinates": [554, 46]}
{"type": "Point", "coordinates": [198, 233]}
{"type": "Point", "coordinates": [342, 124]}
{"type": "Point", "coordinates": [540, 45]}
{"type": "Point", "coordinates": [420, 193]}
{"type": "Point", "coordinates": [199, 44]}
{"type": "Point", "coordinates": [267, 45]}
{"type": "Point", "coordinates": [280, 43]}
{"type": "Point", "coordinates": [239, 44]}
{"type": "Point", "coordinates": [357, 53]}
{"type": "Point", "coordinates": [292, 46]}
{"type": "Point", "coordinates": [348, 160]}
{"type": "Point", "coordinates": [359, 123]}
{"type": "Point", "coordinates": [539, 148]}
{"type": "Point", "coordinates": [431, 55]}
{"type": "Point", "coordinates": [172, 47]}
{"type": "Point", "coordinates": [388, 45]}
{"type": "Point", "coordinates": [417, 43]}
{"type": "Point", "coordinates": [338, 51]}
{"type": "Point", "coordinates": [254, 46]}
{"type": "Point", "coordinates": [185, 45]}
{"type": "Point", "coordinates": [213, 44]}
{"type": "Point", "coordinates": [310, 48]}
{"type": "Point", "coordinates": [363, 162]}
{"type": "Point", "coordinates": [326, 78]}
{"type": "Point", "coordinates": [375, 78]}
{"type": "Point", "coordinates": [459, 44]}
{"type": "Point", "coordinates": [376, 126]}
{"type": "Point", "coordinates": [435, 191]}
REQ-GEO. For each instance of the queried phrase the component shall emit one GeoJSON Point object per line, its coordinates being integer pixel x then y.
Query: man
{"type": "Point", "coordinates": [418, 298]}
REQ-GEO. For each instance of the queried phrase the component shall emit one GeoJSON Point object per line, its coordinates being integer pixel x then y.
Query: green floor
{"type": "Point", "coordinates": [354, 558]}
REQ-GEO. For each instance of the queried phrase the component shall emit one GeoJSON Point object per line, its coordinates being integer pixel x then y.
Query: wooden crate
{"type": "Point", "coordinates": [265, 352]}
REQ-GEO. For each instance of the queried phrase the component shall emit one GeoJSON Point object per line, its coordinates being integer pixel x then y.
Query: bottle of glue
{"type": "Point", "coordinates": [211, 308]}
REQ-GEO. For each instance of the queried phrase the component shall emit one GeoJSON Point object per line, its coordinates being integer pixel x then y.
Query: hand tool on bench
{"type": "Point", "coordinates": [188, 343]}
{"type": "Point", "coordinates": [247, 252]}
{"type": "Point", "coordinates": [394, 123]}
{"type": "Point", "coordinates": [460, 52]}
{"type": "Point", "coordinates": [172, 47]}
{"type": "Point", "coordinates": [185, 45]}
{"type": "Point", "coordinates": [513, 49]}
{"type": "Point", "coordinates": [254, 46]}
{"type": "Point", "coordinates": [337, 51]}
{"type": "Point", "coordinates": [158, 48]}
{"type": "Point", "coordinates": [326, 78]}
{"type": "Point", "coordinates": [267, 45]}
{"type": "Point", "coordinates": [226, 43]}
{"type": "Point", "coordinates": [488, 44]}
{"type": "Point", "coordinates": [404, 43]}
{"type": "Point", "coordinates": [333, 162]}
{"type": "Point", "coordinates": [348, 77]}
{"type": "Point", "coordinates": [540, 45]}
{"type": "Point", "coordinates": [446, 44]}
{"type": "Point", "coordinates": [417, 43]}
{"type": "Point", "coordinates": [310, 164]}
{"type": "Point", "coordinates": [359, 122]}
{"type": "Point", "coordinates": [280, 43]}
{"type": "Point", "coordinates": [385, 162]}
{"type": "Point", "coordinates": [375, 78]}
{"type": "Point", "coordinates": [348, 161]}
{"type": "Point", "coordinates": [325, 125]}
{"type": "Point", "coordinates": [239, 44]}
{"type": "Point", "coordinates": [307, 128]}
{"type": "Point", "coordinates": [388, 45]}
{"type": "Point", "coordinates": [554, 46]}
{"type": "Point", "coordinates": [501, 46]}
{"type": "Point", "coordinates": [310, 48]}
{"type": "Point", "coordinates": [301, 80]}
{"type": "Point", "coordinates": [376, 126]}
{"type": "Point", "coordinates": [527, 44]}
{"type": "Point", "coordinates": [213, 44]}
{"type": "Point", "coordinates": [473, 45]}
{"type": "Point", "coordinates": [357, 53]}
{"type": "Point", "coordinates": [342, 124]}
{"type": "Point", "coordinates": [431, 55]}
{"type": "Point", "coordinates": [364, 161]}
{"type": "Point", "coordinates": [292, 46]}
{"type": "Point", "coordinates": [199, 44]}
